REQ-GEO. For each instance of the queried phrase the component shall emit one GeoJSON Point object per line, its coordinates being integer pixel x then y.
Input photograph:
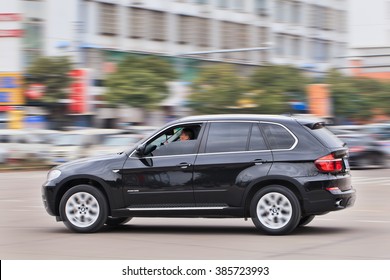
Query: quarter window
{"type": "Point", "coordinates": [227, 137]}
{"type": "Point", "coordinates": [256, 141]}
{"type": "Point", "coordinates": [278, 137]}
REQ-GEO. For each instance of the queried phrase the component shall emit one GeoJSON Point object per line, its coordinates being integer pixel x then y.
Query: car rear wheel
{"type": "Point", "coordinates": [116, 221]}
{"type": "Point", "coordinates": [83, 208]}
{"type": "Point", "coordinates": [275, 210]}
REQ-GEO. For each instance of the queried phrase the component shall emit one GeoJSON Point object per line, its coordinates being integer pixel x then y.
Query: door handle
{"type": "Point", "coordinates": [258, 161]}
{"type": "Point", "coordinates": [184, 165]}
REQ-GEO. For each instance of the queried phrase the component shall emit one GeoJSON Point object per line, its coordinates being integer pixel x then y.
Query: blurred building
{"type": "Point", "coordinates": [369, 53]}
{"type": "Point", "coordinates": [309, 34]}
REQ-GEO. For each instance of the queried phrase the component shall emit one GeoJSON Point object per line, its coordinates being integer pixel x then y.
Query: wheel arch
{"type": "Point", "coordinates": [287, 182]}
{"type": "Point", "coordinates": [81, 180]}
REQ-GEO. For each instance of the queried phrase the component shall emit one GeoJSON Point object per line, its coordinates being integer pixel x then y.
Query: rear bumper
{"type": "Point", "coordinates": [329, 202]}
{"type": "Point", "coordinates": [333, 194]}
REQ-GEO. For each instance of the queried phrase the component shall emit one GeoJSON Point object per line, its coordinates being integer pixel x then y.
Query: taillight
{"type": "Point", "coordinates": [329, 164]}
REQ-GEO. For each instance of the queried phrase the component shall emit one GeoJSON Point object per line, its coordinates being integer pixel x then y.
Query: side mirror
{"type": "Point", "coordinates": [140, 150]}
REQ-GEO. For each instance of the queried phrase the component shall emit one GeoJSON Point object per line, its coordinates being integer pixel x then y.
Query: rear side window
{"type": "Point", "coordinates": [326, 137]}
{"type": "Point", "coordinates": [227, 137]}
{"type": "Point", "coordinates": [278, 136]}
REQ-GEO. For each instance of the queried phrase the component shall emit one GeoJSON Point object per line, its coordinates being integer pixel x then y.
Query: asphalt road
{"type": "Point", "coordinates": [359, 233]}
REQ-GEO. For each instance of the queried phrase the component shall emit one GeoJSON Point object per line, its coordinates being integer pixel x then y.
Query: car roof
{"type": "Point", "coordinates": [234, 117]}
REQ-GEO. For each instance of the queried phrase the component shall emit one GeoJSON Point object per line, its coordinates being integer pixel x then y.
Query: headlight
{"type": "Point", "coordinates": [53, 174]}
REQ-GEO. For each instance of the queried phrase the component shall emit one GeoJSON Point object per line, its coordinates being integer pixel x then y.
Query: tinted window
{"type": "Point", "coordinates": [256, 141]}
{"type": "Point", "coordinates": [227, 137]}
{"type": "Point", "coordinates": [169, 141]}
{"type": "Point", "coordinates": [327, 138]}
{"type": "Point", "coordinates": [278, 137]}
{"type": "Point", "coordinates": [175, 148]}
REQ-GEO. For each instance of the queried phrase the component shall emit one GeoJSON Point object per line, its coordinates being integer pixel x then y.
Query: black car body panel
{"type": "Point", "coordinates": [217, 174]}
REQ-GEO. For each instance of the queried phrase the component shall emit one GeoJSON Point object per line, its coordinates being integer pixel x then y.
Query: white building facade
{"type": "Point", "coordinates": [96, 34]}
{"type": "Point", "coordinates": [309, 34]}
{"type": "Point", "coordinates": [369, 25]}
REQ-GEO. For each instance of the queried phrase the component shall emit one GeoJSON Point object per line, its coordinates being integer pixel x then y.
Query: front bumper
{"type": "Point", "coordinates": [48, 198]}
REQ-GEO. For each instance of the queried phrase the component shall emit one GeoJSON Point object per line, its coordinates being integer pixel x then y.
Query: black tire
{"type": "Point", "coordinates": [306, 220]}
{"type": "Point", "coordinates": [84, 209]}
{"type": "Point", "coordinates": [275, 210]}
{"type": "Point", "coordinates": [116, 221]}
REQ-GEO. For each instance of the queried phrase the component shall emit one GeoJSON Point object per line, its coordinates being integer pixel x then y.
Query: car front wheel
{"type": "Point", "coordinates": [275, 210]}
{"type": "Point", "coordinates": [83, 208]}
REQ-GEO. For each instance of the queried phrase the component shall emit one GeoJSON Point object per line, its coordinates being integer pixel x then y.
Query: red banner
{"type": "Point", "coordinates": [10, 17]}
{"type": "Point", "coordinates": [78, 91]}
{"type": "Point", "coordinates": [11, 33]}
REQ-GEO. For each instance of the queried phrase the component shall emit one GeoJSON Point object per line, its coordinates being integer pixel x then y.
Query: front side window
{"type": "Point", "coordinates": [227, 137]}
{"type": "Point", "coordinates": [178, 140]}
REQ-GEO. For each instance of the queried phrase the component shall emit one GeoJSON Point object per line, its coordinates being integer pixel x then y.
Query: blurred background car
{"type": "Point", "coordinates": [114, 144]}
{"type": "Point", "coordinates": [74, 144]}
{"type": "Point", "coordinates": [365, 151]}
{"type": "Point", "coordinates": [345, 129]}
{"type": "Point", "coordinates": [380, 132]}
{"type": "Point", "coordinates": [3, 155]}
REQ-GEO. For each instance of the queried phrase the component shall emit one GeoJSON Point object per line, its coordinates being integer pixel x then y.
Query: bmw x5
{"type": "Point", "coordinates": [279, 171]}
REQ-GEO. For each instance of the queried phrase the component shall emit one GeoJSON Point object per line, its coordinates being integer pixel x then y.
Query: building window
{"type": "Point", "coordinates": [261, 7]}
{"type": "Point", "coordinates": [342, 21]}
{"type": "Point", "coordinates": [262, 36]}
{"type": "Point", "coordinates": [238, 5]}
{"type": "Point", "coordinates": [262, 39]}
{"type": "Point", "coordinates": [158, 25]}
{"type": "Point", "coordinates": [185, 29]}
{"type": "Point", "coordinates": [296, 47]}
{"type": "Point", "coordinates": [136, 22]}
{"type": "Point", "coordinates": [32, 40]}
{"type": "Point", "coordinates": [108, 19]}
{"type": "Point", "coordinates": [329, 20]}
{"type": "Point", "coordinates": [202, 36]}
{"type": "Point", "coordinates": [280, 7]}
{"type": "Point", "coordinates": [223, 4]}
{"type": "Point", "coordinates": [295, 13]}
{"type": "Point", "coordinates": [313, 17]}
{"type": "Point", "coordinates": [280, 44]}
{"type": "Point", "coordinates": [227, 31]}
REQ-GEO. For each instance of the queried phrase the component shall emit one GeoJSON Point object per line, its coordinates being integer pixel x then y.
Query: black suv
{"type": "Point", "coordinates": [278, 170]}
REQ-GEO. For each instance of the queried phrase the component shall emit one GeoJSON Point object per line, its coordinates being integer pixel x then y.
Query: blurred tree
{"type": "Point", "coordinates": [217, 89]}
{"type": "Point", "coordinates": [52, 72]}
{"type": "Point", "coordinates": [357, 98]}
{"type": "Point", "coordinates": [139, 81]}
{"type": "Point", "coordinates": [277, 85]}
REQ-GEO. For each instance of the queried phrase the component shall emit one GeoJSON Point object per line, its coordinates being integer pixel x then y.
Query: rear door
{"type": "Point", "coordinates": [232, 155]}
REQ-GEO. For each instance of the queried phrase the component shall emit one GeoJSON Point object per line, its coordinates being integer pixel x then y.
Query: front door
{"type": "Point", "coordinates": [163, 176]}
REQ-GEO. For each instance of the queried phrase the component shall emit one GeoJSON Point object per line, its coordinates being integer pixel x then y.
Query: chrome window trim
{"type": "Point", "coordinates": [289, 131]}
{"type": "Point", "coordinates": [219, 153]}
